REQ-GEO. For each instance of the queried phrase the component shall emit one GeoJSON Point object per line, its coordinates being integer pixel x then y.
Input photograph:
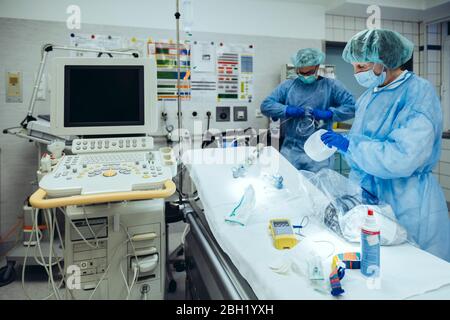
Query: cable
{"type": "Point", "coordinates": [107, 269]}
{"type": "Point", "coordinates": [302, 225]}
{"type": "Point", "coordinates": [329, 242]}
{"type": "Point", "coordinates": [137, 261]}
{"type": "Point", "coordinates": [89, 226]}
{"type": "Point", "coordinates": [34, 230]}
{"type": "Point", "coordinates": [185, 231]}
{"type": "Point", "coordinates": [26, 256]}
{"type": "Point", "coordinates": [78, 231]}
{"type": "Point", "coordinates": [50, 227]}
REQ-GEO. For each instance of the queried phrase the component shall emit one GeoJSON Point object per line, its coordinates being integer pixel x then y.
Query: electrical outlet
{"type": "Point", "coordinates": [223, 114]}
{"type": "Point", "coordinates": [258, 113]}
{"type": "Point", "coordinates": [240, 114]}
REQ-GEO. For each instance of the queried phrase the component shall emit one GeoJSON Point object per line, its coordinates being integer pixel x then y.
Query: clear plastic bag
{"type": "Point", "coordinates": [243, 209]}
{"type": "Point", "coordinates": [344, 205]}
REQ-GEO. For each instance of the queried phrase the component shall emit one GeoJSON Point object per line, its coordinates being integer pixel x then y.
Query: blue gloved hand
{"type": "Point", "coordinates": [320, 114]}
{"type": "Point", "coordinates": [333, 139]}
{"type": "Point", "coordinates": [295, 112]}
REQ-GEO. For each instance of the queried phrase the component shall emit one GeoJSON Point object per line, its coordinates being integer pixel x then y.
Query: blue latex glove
{"type": "Point", "coordinates": [333, 139]}
{"type": "Point", "coordinates": [295, 112]}
{"type": "Point", "coordinates": [320, 114]}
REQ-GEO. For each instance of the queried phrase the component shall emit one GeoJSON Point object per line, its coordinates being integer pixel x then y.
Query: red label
{"type": "Point", "coordinates": [372, 233]}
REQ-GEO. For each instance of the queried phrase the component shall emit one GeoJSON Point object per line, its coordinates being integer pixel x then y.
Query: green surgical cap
{"type": "Point", "coordinates": [379, 46]}
{"type": "Point", "coordinates": [308, 57]}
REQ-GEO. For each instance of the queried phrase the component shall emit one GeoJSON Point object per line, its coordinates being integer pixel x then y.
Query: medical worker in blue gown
{"type": "Point", "coordinates": [395, 140]}
{"type": "Point", "coordinates": [305, 104]}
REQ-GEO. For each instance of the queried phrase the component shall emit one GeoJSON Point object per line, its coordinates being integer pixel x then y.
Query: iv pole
{"type": "Point", "coordinates": [180, 151]}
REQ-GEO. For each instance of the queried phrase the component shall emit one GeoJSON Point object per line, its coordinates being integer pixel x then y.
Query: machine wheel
{"type": "Point", "coordinates": [179, 266]}
{"type": "Point", "coordinates": [172, 286]}
{"type": "Point", "coordinates": [7, 274]}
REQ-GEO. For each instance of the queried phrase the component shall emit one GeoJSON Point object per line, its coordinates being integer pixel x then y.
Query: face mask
{"type": "Point", "coordinates": [369, 78]}
{"type": "Point", "coordinates": [307, 79]}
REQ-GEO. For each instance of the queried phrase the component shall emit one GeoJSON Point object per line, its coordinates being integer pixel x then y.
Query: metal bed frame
{"type": "Point", "coordinates": [210, 274]}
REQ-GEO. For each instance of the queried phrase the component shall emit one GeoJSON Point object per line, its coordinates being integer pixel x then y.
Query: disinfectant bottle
{"type": "Point", "coordinates": [370, 246]}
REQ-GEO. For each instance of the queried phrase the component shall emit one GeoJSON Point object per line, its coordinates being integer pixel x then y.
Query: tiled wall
{"type": "Point", "coordinates": [434, 39]}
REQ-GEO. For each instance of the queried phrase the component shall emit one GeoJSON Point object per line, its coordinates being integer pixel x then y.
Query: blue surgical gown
{"type": "Point", "coordinates": [324, 93]}
{"type": "Point", "coordinates": [395, 142]}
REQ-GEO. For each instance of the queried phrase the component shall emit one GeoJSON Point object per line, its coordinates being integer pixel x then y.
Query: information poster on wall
{"type": "Point", "coordinates": [166, 60]}
{"type": "Point", "coordinates": [203, 67]}
{"type": "Point", "coordinates": [235, 72]}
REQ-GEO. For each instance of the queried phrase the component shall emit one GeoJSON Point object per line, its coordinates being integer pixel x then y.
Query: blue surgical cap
{"type": "Point", "coordinates": [308, 57]}
{"type": "Point", "coordinates": [379, 46]}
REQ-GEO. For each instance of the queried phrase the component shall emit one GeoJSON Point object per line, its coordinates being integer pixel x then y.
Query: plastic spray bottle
{"type": "Point", "coordinates": [370, 246]}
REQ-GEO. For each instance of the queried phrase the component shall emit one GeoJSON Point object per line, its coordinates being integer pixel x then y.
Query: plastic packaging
{"type": "Point", "coordinates": [392, 233]}
{"type": "Point", "coordinates": [244, 209]}
{"type": "Point", "coordinates": [370, 246]}
{"type": "Point", "coordinates": [316, 149]}
{"type": "Point", "coordinates": [343, 204]}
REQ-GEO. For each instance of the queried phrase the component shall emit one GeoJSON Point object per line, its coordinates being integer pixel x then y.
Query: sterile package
{"type": "Point", "coordinates": [344, 208]}
{"type": "Point", "coordinates": [244, 208]}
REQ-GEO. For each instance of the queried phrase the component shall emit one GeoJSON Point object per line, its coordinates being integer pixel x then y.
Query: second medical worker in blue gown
{"type": "Point", "coordinates": [297, 102]}
{"type": "Point", "coordinates": [395, 140]}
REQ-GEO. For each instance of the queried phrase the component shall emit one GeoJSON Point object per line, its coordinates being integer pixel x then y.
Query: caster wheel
{"type": "Point", "coordinates": [172, 286]}
{"type": "Point", "coordinates": [179, 266]}
{"type": "Point", "coordinates": [7, 274]}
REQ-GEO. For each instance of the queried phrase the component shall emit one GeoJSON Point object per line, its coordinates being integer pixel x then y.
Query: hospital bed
{"type": "Point", "coordinates": [226, 261]}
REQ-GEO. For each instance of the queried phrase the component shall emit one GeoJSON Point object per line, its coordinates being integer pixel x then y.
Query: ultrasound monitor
{"type": "Point", "coordinates": [103, 96]}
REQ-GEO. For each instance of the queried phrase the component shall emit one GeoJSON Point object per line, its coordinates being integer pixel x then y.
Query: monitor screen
{"type": "Point", "coordinates": [96, 95]}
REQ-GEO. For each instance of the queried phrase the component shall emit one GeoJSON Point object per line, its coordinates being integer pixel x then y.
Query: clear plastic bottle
{"type": "Point", "coordinates": [370, 246]}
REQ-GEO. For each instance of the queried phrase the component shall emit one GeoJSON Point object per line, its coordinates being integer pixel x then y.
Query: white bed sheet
{"type": "Point", "coordinates": [407, 272]}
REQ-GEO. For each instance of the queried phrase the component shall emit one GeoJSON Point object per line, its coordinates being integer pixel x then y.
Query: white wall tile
{"type": "Point", "coordinates": [432, 67]}
{"type": "Point", "coordinates": [338, 22]}
{"type": "Point", "coordinates": [338, 35]}
{"type": "Point", "coordinates": [407, 27]}
{"type": "Point", "coordinates": [349, 23]}
{"type": "Point", "coordinates": [398, 26]}
{"type": "Point", "coordinates": [409, 36]}
{"type": "Point", "coordinates": [416, 40]}
{"type": "Point", "coordinates": [360, 24]}
{"type": "Point", "coordinates": [432, 28]}
{"type": "Point", "coordinates": [434, 55]}
{"type": "Point", "coordinates": [431, 78]}
{"type": "Point", "coordinates": [421, 27]}
{"type": "Point", "coordinates": [444, 168]}
{"type": "Point", "coordinates": [329, 34]}
{"type": "Point", "coordinates": [348, 34]}
{"type": "Point", "coordinates": [434, 39]}
{"type": "Point", "coordinates": [416, 67]}
{"type": "Point", "coordinates": [328, 21]}
{"type": "Point", "coordinates": [387, 24]}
